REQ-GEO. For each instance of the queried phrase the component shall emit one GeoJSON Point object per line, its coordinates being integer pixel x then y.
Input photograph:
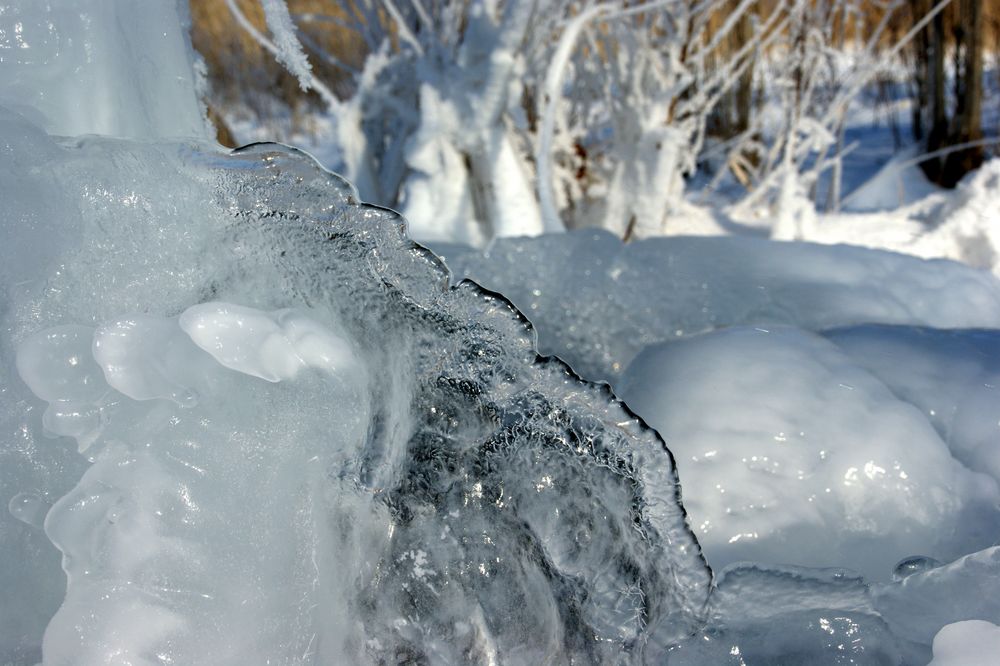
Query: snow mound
{"type": "Point", "coordinates": [962, 224]}
{"type": "Point", "coordinates": [969, 643]}
{"type": "Point", "coordinates": [801, 457]}
{"type": "Point", "coordinates": [952, 377]}
{"type": "Point", "coordinates": [967, 226]}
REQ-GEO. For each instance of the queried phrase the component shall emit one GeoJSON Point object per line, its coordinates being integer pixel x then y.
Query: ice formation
{"type": "Point", "coordinates": [113, 67]}
{"type": "Point", "coordinates": [304, 440]}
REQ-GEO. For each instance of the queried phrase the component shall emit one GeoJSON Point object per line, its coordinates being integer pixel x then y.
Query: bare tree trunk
{"type": "Point", "coordinates": [743, 93]}
{"type": "Point", "coordinates": [936, 112]}
{"type": "Point", "coordinates": [967, 124]}
{"type": "Point", "coordinates": [932, 123]}
{"type": "Point", "coordinates": [921, 68]}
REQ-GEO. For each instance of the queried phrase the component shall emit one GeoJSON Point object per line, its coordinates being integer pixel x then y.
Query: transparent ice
{"type": "Point", "coordinates": [307, 447]}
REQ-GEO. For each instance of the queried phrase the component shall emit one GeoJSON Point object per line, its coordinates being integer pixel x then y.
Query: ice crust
{"type": "Point", "coordinates": [305, 447]}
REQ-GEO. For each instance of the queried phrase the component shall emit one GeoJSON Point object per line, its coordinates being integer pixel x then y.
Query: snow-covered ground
{"type": "Point", "coordinates": [259, 425]}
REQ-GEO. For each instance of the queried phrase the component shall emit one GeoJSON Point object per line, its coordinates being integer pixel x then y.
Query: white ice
{"type": "Point", "coordinates": [112, 67]}
{"type": "Point", "coordinates": [272, 346]}
{"type": "Point", "coordinates": [969, 643]}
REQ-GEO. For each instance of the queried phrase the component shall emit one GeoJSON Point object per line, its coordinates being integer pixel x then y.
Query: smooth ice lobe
{"type": "Point", "coordinates": [57, 365]}
{"type": "Point", "coordinates": [272, 346]}
{"type": "Point", "coordinates": [147, 357]}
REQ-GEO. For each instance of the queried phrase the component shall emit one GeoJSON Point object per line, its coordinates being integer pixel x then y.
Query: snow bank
{"type": "Point", "coordinates": [597, 302]}
{"type": "Point", "coordinates": [969, 643]}
{"type": "Point", "coordinates": [963, 225]}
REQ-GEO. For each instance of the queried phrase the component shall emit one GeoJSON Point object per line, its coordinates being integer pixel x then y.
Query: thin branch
{"type": "Point", "coordinates": [404, 28]}
{"type": "Point", "coordinates": [549, 97]}
{"type": "Point", "coordinates": [312, 81]}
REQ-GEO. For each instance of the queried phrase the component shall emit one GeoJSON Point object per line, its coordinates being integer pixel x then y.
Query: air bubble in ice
{"type": "Point", "coordinates": [29, 508]}
{"type": "Point", "coordinates": [913, 565]}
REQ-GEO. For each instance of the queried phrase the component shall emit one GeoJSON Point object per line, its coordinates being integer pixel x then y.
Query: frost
{"type": "Point", "coordinates": [289, 50]}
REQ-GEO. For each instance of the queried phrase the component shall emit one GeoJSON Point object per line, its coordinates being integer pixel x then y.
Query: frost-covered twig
{"type": "Point", "coordinates": [307, 79]}
{"type": "Point", "coordinates": [548, 103]}
{"type": "Point", "coordinates": [403, 27]}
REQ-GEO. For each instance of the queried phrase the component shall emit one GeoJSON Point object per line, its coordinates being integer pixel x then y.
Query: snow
{"type": "Point", "coordinates": [801, 457]}
{"type": "Point", "coordinates": [952, 377]}
{"type": "Point", "coordinates": [961, 225]}
{"type": "Point", "coordinates": [969, 643]}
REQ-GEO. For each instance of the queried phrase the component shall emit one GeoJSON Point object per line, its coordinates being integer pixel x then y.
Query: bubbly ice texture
{"type": "Point", "coordinates": [597, 302]}
{"type": "Point", "coordinates": [305, 446]}
{"type": "Point", "coordinates": [789, 615]}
